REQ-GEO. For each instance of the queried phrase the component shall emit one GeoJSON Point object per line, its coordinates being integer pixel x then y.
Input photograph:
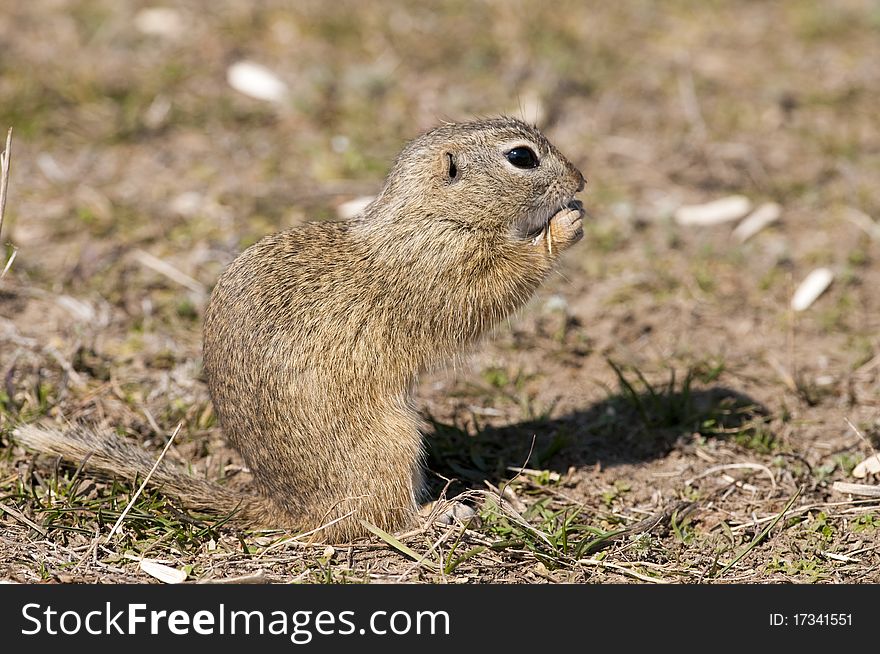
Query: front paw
{"type": "Point", "coordinates": [566, 227]}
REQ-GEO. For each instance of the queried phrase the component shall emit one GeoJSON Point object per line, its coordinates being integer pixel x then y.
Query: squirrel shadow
{"type": "Point", "coordinates": [626, 427]}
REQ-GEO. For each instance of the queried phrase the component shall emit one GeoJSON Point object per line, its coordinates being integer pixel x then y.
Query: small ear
{"type": "Point", "coordinates": [450, 167]}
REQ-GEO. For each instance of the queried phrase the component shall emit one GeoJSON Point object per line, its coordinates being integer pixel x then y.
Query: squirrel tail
{"type": "Point", "coordinates": [108, 453]}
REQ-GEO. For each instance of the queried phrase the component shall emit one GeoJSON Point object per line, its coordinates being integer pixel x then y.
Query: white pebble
{"type": "Point", "coordinates": [811, 288]}
{"type": "Point", "coordinates": [163, 573]}
{"type": "Point", "coordinates": [353, 208]}
{"type": "Point", "coordinates": [863, 221]}
{"type": "Point", "coordinates": [80, 310]}
{"type": "Point", "coordinates": [340, 143]}
{"type": "Point", "coordinates": [159, 21]}
{"type": "Point", "coordinates": [50, 168]}
{"type": "Point", "coordinates": [256, 81]}
{"type": "Point", "coordinates": [713, 213]}
{"type": "Point", "coordinates": [188, 203]}
{"type": "Point", "coordinates": [157, 113]}
{"type": "Point", "coordinates": [869, 466]}
{"type": "Point", "coordinates": [760, 218]}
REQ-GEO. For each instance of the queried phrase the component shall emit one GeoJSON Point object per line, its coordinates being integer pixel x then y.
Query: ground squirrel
{"type": "Point", "coordinates": [314, 336]}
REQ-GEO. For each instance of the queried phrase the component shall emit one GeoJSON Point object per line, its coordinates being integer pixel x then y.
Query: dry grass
{"type": "Point", "coordinates": [5, 163]}
{"type": "Point", "coordinates": [657, 414]}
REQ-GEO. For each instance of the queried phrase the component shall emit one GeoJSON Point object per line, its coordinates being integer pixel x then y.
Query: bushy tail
{"type": "Point", "coordinates": [111, 454]}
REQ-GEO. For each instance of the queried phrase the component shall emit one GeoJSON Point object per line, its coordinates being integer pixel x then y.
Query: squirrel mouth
{"type": "Point", "coordinates": [535, 223]}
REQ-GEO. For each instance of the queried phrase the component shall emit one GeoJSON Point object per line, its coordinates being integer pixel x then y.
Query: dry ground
{"type": "Point", "coordinates": [659, 384]}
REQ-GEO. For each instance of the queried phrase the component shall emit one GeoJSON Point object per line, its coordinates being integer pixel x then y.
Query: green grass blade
{"type": "Point", "coordinates": [396, 544]}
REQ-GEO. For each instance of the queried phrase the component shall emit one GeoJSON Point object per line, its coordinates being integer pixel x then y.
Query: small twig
{"type": "Point", "coordinates": [298, 538]}
{"type": "Point", "coordinates": [843, 558]}
{"type": "Point", "coordinates": [863, 550]}
{"type": "Point", "coordinates": [23, 518]}
{"type": "Point", "coordinates": [5, 159]}
{"type": "Point", "coordinates": [9, 263]}
{"type": "Point", "coordinates": [687, 93]}
{"type": "Point", "coordinates": [863, 490]}
{"type": "Point", "coordinates": [256, 578]}
{"type": "Point", "coordinates": [863, 221]}
{"type": "Point", "coordinates": [94, 546]}
{"type": "Point", "coordinates": [143, 484]}
{"type": "Point", "coordinates": [784, 375]}
{"type": "Point", "coordinates": [601, 563]}
{"type": "Point", "coordinates": [151, 420]}
{"type": "Point", "coordinates": [521, 469]}
{"type": "Point", "coordinates": [734, 466]}
{"type": "Point", "coordinates": [172, 273]}
{"type": "Point", "coordinates": [858, 506]}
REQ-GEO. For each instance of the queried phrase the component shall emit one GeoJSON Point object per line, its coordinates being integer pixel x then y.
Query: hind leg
{"type": "Point", "coordinates": [378, 481]}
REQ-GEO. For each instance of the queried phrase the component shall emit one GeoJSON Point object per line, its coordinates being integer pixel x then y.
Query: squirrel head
{"type": "Point", "coordinates": [498, 176]}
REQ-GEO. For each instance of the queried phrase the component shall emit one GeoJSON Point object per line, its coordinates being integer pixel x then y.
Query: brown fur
{"type": "Point", "coordinates": [314, 337]}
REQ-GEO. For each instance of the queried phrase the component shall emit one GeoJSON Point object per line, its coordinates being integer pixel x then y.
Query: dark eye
{"type": "Point", "coordinates": [522, 157]}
